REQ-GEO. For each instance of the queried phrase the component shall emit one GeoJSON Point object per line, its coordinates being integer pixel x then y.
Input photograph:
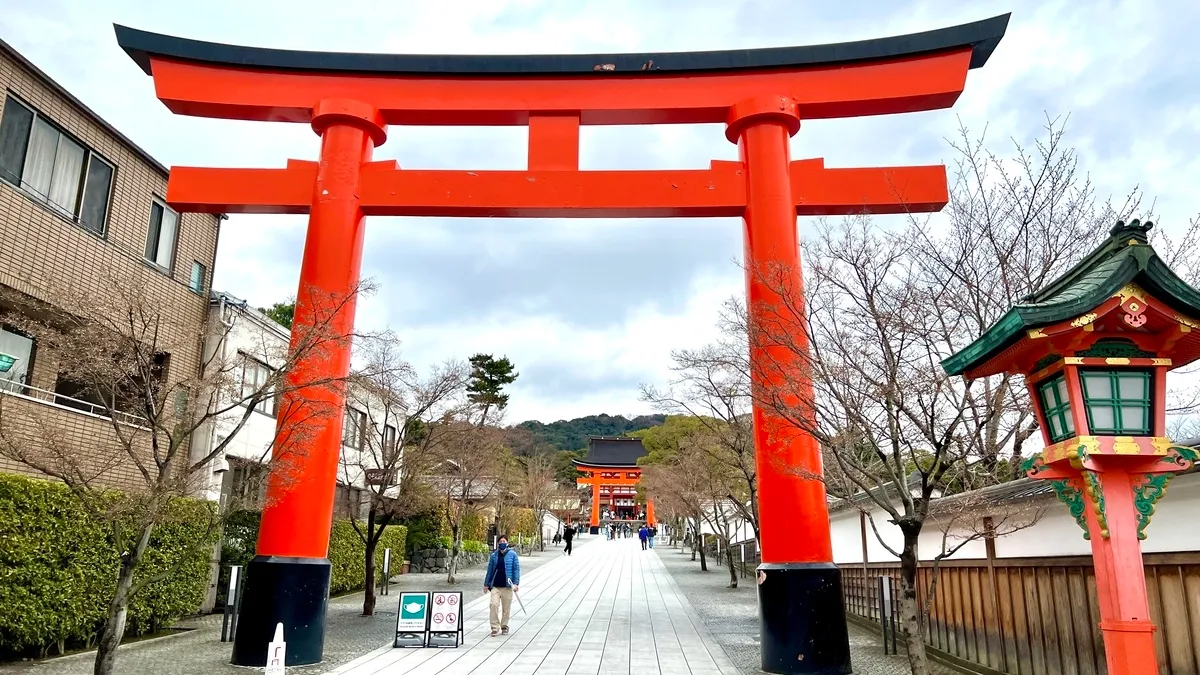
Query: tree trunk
{"type": "Point", "coordinates": [733, 573]}
{"type": "Point", "coordinates": [703, 559]}
{"type": "Point", "coordinates": [370, 543]}
{"type": "Point", "coordinates": [910, 617]}
{"type": "Point", "coordinates": [118, 609]}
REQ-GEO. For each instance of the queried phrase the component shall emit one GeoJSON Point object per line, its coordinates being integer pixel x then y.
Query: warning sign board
{"type": "Point", "coordinates": [447, 612]}
{"type": "Point", "coordinates": [445, 619]}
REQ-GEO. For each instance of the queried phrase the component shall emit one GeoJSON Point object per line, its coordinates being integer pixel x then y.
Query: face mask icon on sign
{"type": "Point", "coordinates": [413, 607]}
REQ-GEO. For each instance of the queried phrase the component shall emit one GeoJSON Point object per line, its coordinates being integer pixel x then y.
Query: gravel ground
{"type": "Point", "coordinates": [731, 614]}
{"type": "Point", "coordinates": [199, 650]}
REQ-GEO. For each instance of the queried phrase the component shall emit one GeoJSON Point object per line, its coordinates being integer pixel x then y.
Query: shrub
{"type": "Point", "coordinates": [519, 520]}
{"type": "Point", "coordinates": [470, 546]}
{"type": "Point", "coordinates": [58, 567]}
{"type": "Point", "coordinates": [237, 546]}
{"type": "Point", "coordinates": [423, 532]}
{"type": "Point", "coordinates": [347, 551]}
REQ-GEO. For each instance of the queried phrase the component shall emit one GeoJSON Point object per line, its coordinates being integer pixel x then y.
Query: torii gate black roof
{"type": "Point", "coordinates": [623, 452]}
{"type": "Point", "coordinates": [981, 36]}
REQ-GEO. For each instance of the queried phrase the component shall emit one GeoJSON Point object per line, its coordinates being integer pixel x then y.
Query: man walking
{"type": "Point", "coordinates": [502, 580]}
{"type": "Point", "coordinates": [644, 535]}
{"type": "Point", "coordinates": [651, 532]}
{"type": "Point", "coordinates": [568, 537]}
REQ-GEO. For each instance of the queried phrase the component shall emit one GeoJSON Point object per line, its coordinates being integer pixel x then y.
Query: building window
{"type": "Point", "coordinates": [255, 378]}
{"type": "Point", "coordinates": [16, 355]}
{"type": "Point", "coordinates": [51, 166]}
{"type": "Point", "coordinates": [1057, 408]}
{"type": "Point", "coordinates": [199, 274]}
{"type": "Point", "coordinates": [245, 485]}
{"type": "Point", "coordinates": [389, 439]}
{"type": "Point", "coordinates": [124, 394]}
{"type": "Point", "coordinates": [353, 427]}
{"type": "Point", "coordinates": [1117, 401]}
{"type": "Point", "coordinates": [160, 240]}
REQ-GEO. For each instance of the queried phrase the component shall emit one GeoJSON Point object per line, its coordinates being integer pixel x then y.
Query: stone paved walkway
{"type": "Point", "coordinates": [610, 608]}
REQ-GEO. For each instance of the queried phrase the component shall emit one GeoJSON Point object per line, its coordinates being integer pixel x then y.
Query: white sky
{"type": "Point", "coordinates": [589, 309]}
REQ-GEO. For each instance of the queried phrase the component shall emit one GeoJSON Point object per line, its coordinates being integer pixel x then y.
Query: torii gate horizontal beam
{"type": "Point", "coordinates": [904, 73]}
{"type": "Point", "coordinates": [387, 190]}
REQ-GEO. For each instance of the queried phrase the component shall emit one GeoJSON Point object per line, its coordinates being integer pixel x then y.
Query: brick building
{"type": "Point", "coordinates": [80, 202]}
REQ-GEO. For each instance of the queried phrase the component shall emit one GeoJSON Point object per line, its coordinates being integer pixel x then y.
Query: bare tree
{"type": "Point", "coordinates": [712, 386]}
{"type": "Point", "coordinates": [674, 484]}
{"type": "Point", "coordinates": [537, 488]}
{"type": "Point", "coordinates": [115, 351]}
{"type": "Point", "coordinates": [403, 413]}
{"type": "Point", "coordinates": [470, 461]}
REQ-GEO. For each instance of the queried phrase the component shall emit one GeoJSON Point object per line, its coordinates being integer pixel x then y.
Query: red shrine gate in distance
{"type": "Point", "coordinates": [611, 470]}
{"type": "Point", "coordinates": [761, 95]}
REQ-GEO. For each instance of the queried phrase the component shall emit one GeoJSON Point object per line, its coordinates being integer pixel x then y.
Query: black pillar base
{"type": "Point", "coordinates": [291, 591]}
{"type": "Point", "coordinates": [803, 619]}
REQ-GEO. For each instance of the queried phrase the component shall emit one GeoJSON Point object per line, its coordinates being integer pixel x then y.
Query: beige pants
{"type": "Point", "coordinates": [501, 607]}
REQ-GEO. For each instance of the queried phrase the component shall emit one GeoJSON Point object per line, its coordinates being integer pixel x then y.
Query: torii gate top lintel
{"type": "Point", "coordinates": [554, 95]}
{"type": "Point", "coordinates": [906, 73]}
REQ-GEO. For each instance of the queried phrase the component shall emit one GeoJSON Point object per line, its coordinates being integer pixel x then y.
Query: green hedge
{"type": "Point", "coordinates": [518, 520]}
{"type": "Point", "coordinates": [346, 550]}
{"type": "Point", "coordinates": [58, 567]}
{"type": "Point", "coordinates": [470, 546]}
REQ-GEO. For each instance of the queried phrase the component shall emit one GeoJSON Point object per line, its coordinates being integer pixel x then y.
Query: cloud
{"type": "Point", "coordinates": [588, 309]}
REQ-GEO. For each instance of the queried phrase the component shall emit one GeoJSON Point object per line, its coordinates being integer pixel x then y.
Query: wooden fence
{"type": "Point", "coordinates": [1039, 616]}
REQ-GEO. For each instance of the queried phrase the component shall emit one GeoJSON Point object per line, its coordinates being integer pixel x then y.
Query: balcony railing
{"type": "Point", "coordinates": [46, 397]}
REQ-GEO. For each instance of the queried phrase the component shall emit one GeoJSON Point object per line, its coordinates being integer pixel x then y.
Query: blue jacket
{"type": "Point", "coordinates": [512, 568]}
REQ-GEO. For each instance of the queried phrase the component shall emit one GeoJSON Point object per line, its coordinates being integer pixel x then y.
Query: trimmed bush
{"type": "Point", "coordinates": [58, 567]}
{"type": "Point", "coordinates": [346, 550]}
{"type": "Point", "coordinates": [470, 546]}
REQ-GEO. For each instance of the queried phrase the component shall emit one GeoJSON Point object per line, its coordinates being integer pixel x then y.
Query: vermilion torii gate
{"type": "Point", "coordinates": [761, 95]}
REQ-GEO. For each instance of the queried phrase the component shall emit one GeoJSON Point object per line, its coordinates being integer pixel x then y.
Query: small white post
{"type": "Point", "coordinates": [276, 653]}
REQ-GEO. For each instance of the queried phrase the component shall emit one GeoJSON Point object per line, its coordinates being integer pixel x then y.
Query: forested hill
{"type": "Point", "coordinates": [573, 434]}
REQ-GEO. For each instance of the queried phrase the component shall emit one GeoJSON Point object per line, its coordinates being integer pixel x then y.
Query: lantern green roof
{"type": "Point", "coordinates": [1125, 257]}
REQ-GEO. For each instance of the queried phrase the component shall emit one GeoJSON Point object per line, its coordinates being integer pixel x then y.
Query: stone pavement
{"type": "Point", "coordinates": [198, 649]}
{"type": "Point", "coordinates": [731, 615]}
{"type": "Point", "coordinates": [610, 608]}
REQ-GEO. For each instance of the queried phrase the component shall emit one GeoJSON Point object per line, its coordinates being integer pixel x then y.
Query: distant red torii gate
{"type": "Point", "coordinates": [761, 95]}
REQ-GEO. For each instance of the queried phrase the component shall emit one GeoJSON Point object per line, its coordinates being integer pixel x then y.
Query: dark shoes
{"type": "Point", "coordinates": [504, 631]}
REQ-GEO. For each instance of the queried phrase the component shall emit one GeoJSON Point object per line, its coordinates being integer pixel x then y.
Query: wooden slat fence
{"type": "Point", "coordinates": [1039, 616]}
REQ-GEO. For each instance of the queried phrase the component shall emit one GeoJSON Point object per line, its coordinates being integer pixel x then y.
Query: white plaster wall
{"type": "Point", "coordinates": [846, 536]}
{"type": "Point", "coordinates": [1054, 534]}
{"type": "Point", "coordinates": [929, 544]}
{"type": "Point", "coordinates": [253, 334]}
{"type": "Point", "coordinates": [1172, 528]}
{"type": "Point", "coordinates": [876, 552]}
